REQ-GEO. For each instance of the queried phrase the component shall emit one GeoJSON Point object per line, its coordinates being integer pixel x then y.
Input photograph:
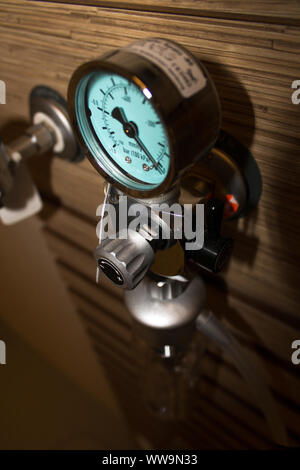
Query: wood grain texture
{"type": "Point", "coordinates": [252, 52]}
{"type": "Point", "coordinates": [264, 10]}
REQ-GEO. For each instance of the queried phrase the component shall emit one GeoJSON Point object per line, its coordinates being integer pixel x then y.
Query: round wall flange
{"type": "Point", "coordinates": [49, 108]}
{"type": "Point", "coordinates": [230, 173]}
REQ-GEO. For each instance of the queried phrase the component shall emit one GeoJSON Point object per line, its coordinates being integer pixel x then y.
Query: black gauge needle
{"type": "Point", "coordinates": [131, 130]}
{"type": "Point", "coordinates": [119, 115]}
{"type": "Point", "coordinates": [146, 151]}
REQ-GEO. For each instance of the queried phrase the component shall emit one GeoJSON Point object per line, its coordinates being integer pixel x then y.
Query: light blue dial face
{"type": "Point", "coordinates": [122, 130]}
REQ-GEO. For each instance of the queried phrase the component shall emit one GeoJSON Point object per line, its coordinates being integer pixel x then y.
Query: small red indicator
{"type": "Point", "coordinates": [231, 206]}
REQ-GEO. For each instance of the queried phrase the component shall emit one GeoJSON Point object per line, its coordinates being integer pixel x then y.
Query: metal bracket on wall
{"type": "Point", "coordinates": [229, 173]}
{"type": "Point", "coordinates": [50, 131]}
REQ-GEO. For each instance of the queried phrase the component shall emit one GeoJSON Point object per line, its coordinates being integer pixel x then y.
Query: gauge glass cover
{"type": "Point", "coordinates": [122, 130]}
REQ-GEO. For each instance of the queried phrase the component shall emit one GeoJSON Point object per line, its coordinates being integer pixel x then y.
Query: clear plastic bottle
{"type": "Point", "coordinates": [167, 375]}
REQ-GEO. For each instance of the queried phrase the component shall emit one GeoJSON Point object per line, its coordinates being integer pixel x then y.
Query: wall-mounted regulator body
{"type": "Point", "coordinates": [148, 118]}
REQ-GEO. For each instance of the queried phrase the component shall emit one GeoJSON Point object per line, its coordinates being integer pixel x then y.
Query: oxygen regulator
{"type": "Point", "coordinates": [148, 118]}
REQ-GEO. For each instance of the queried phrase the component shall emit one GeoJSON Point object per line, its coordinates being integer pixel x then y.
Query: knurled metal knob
{"type": "Point", "coordinates": [125, 261]}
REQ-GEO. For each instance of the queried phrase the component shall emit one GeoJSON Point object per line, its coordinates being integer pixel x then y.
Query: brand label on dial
{"type": "Point", "coordinates": [180, 66]}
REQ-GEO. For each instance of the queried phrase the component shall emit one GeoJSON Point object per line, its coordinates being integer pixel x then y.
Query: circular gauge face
{"type": "Point", "coordinates": [122, 130]}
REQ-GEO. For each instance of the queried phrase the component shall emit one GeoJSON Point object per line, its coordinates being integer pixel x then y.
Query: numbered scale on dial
{"type": "Point", "coordinates": [128, 128]}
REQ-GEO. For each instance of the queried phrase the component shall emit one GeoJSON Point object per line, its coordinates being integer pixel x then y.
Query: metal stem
{"type": "Point", "coordinates": [35, 140]}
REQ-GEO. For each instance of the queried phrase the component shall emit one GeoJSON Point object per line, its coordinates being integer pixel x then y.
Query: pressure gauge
{"type": "Point", "coordinates": [144, 114]}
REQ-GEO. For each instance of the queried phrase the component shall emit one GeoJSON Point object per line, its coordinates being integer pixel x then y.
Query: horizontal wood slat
{"type": "Point", "coordinates": [264, 10]}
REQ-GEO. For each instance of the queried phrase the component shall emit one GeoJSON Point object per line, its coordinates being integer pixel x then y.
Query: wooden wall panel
{"type": "Point", "coordinates": [252, 51]}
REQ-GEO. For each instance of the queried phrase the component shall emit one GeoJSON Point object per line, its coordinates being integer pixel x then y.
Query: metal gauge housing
{"type": "Point", "coordinates": [144, 114]}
